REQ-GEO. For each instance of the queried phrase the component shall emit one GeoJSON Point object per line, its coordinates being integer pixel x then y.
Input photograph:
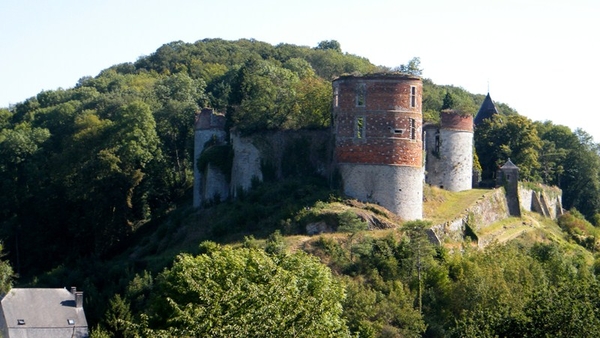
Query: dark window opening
{"type": "Point", "coordinates": [413, 131]}
{"type": "Point", "coordinates": [413, 96]}
{"type": "Point", "coordinates": [361, 93]}
{"type": "Point", "coordinates": [360, 127]}
{"type": "Point", "coordinates": [398, 131]}
{"type": "Point", "coordinates": [436, 148]}
{"type": "Point", "coordinates": [21, 321]}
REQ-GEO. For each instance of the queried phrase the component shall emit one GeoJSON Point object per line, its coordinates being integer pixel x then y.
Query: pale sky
{"type": "Point", "coordinates": [540, 57]}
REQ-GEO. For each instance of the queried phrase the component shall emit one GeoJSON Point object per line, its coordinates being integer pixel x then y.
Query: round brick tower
{"type": "Point", "coordinates": [379, 150]}
{"type": "Point", "coordinates": [449, 163]}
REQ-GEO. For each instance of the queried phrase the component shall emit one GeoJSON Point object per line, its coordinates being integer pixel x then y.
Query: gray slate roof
{"type": "Point", "coordinates": [487, 110]}
{"type": "Point", "coordinates": [509, 165]}
{"type": "Point", "coordinates": [42, 310]}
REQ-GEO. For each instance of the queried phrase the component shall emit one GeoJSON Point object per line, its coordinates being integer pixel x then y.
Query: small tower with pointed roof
{"type": "Point", "coordinates": [487, 110]}
{"type": "Point", "coordinates": [508, 177]}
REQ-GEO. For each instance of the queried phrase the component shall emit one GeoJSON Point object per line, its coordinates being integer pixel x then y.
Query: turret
{"type": "Point", "coordinates": [449, 151]}
{"type": "Point", "coordinates": [379, 149]}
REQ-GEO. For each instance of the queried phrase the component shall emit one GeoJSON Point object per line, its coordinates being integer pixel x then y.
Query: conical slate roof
{"type": "Point", "coordinates": [509, 165]}
{"type": "Point", "coordinates": [487, 110]}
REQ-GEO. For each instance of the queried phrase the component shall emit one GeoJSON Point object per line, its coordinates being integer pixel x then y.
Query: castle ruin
{"type": "Point", "coordinates": [379, 145]}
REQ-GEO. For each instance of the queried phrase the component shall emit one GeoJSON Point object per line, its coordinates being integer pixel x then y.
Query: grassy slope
{"type": "Point", "coordinates": [186, 227]}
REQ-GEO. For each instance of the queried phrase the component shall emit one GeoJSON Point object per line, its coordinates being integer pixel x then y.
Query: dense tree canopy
{"type": "Point", "coordinates": [247, 293]}
{"type": "Point", "coordinates": [116, 150]}
{"type": "Point", "coordinates": [506, 137]}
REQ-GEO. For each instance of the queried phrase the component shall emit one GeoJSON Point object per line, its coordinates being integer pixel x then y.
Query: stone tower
{"type": "Point", "coordinates": [209, 129]}
{"type": "Point", "coordinates": [449, 152]}
{"type": "Point", "coordinates": [379, 148]}
{"type": "Point", "coordinates": [508, 177]}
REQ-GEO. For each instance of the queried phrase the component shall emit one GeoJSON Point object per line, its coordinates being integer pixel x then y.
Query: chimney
{"type": "Point", "coordinates": [73, 289]}
{"type": "Point", "coordinates": [78, 299]}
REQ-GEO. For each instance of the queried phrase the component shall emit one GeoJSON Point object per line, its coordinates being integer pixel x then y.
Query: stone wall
{"type": "Point", "coordinates": [201, 137]}
{"type": "Point", "coordinates": [490, 208]}
{"type": "Point", "coordinates": [246, 163]}
{"type": "Point", "coordinates": [214, 185]}
{"type": "Point", "coordinates": [396, 188]}
{"type": "Point", "coordinates": [449, 152]}
{"type": "Point", "coordinates": [450, 165]}
{"type": "Point", "coordinates": [493, 207]}
{"type": "Point", "coordinates": [280, 154]}
{"type": "Point", "coordinates": [542, 199]}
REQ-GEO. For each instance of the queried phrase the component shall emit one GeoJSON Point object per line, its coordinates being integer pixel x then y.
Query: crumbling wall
{"type": "Point", "coordinates": [542, 199]}
{"type": "Point", "coordinates": [490, 208]}
{"type": "Point", "coordinates": [276, 155]}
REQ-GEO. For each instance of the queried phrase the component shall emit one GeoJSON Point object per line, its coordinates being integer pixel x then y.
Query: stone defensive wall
{"type": "Point", "coordinates": [278, 154]}
{"type": "Point", "coordinates": [493, 207]}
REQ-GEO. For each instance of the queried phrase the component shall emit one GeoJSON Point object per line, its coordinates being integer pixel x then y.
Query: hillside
{"type": "Point", "coordinates": [96, 192]}
{"type": "Point", "coordinates": [354, 253]}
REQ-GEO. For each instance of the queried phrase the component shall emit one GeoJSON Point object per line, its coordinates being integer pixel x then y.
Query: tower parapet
{"type": "Point", "coordinates": [377, 126]}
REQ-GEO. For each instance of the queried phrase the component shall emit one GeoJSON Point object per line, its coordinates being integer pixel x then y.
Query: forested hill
{"type": "Point", "coordinates": [88, 165]}
{"type": "Point", "coordinates": [85, 169]}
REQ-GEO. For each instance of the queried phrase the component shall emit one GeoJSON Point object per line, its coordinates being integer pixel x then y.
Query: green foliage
{"type": "Point", "coordinates": [329, 44]}
{"type": "Point", "coordinates": [275, 244]}
{"type": "Point", "coordinates": [448, 101]}
{"type": "Point", "coordinates": [116, 151]}
{"type": "Point", "coordinates": [117, 317]}
{"type": "Point", "coordinates": [437, 98]}
{"type": "Point", "coordinates": [99, 166]}
{"type": "Point", "coordinates": [503, 137]}
{"type": "Point", "coordinates": [579, 229]}
{"type": "Point", "coordinates": [247, 293]}
{"type": "Point", "coordinates": [412, 67]}
{"type": "Point", "coordinates": [371, 311]}
{"type": "Point", "coordinates": [6, 273]}
{"type": "Point", "coordinates": [348, 221]}
{"type": "Point", "coordinates": [220, 156]}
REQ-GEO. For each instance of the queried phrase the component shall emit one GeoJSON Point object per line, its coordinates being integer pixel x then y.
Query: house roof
{"type": "Point", "coordinates": [487, 110]}
{"type": "Point", "coordinates": [41, 308]}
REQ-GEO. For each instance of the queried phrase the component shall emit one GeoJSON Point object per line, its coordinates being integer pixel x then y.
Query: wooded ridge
{"type": "Point", "coordinates": [96, 192]}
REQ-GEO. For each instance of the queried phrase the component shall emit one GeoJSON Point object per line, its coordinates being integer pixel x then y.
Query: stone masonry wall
{"type": "Point", "coordinates": [246, 163]}
{"type": "Point", "coordinates": [493, 207]}
{"type": "Point", "coordinates": [490, 208]}
{"type": "Point", "coordinates": [396, 188]}
{"type": "Point", "coordinates": [200, 138]}
{"type": "Point", "coordinates": [378, 142]}
{"type": "Point", "coordinates": [548, 198]}
{"type": "Point", "coordinates": [285, 153]}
